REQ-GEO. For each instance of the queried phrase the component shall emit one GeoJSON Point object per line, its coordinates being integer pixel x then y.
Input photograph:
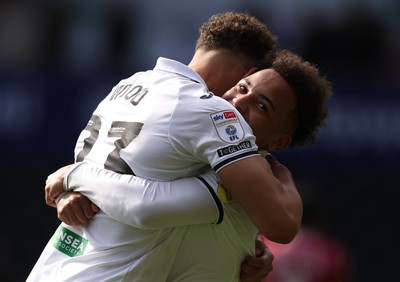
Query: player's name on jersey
{"type": "Point", "coordinates": [134, 93]}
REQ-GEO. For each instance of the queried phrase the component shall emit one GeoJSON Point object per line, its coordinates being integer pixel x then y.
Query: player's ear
{"type": "Point", "coordinates": [281, 142]}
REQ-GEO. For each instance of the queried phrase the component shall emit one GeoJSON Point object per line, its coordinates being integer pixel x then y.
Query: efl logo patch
{"type": "Point", "coordinates": [228, 126]}
{"type": "Point", "coordinates": [69, 242]}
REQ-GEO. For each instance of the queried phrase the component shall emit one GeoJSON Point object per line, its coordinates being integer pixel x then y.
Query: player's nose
{"type": "Point", "coordinates": [241, 103]}
{"type": "Point", "coordinates": [241, 100]}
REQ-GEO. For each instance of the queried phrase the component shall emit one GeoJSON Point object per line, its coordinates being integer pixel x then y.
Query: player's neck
{"type": "Point", "coordinates": [205, 63]}
{"type": "Point", "coordinates": [214, 65]}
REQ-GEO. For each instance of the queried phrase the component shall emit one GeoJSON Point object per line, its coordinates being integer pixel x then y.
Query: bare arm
{"type": "Point", "coordinates": [268, 195]}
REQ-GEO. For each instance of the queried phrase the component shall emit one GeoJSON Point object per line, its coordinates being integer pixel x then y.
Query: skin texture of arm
{"type": "Point", "coordinates": [143, 203]}
{"type": "Point", "coordinates": [268, 195]}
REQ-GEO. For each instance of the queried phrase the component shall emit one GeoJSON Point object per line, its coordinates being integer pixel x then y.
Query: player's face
{"type": "Point", "coordinates": [265, 100]}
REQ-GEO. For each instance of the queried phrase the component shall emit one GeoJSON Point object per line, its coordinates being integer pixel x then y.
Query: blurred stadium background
{"type": "Point", "coordinates": [58, 59]}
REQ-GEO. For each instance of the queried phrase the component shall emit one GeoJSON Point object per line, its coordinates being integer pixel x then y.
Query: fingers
{"type": "Point", "coordinates": [264, 261]}
{"type": "Point", "coordinates": [250, 273]}
{"type": "Point", "coordinates": [271, 159]}
{"type": "Point", "coordinates": [260, 246]}
{"type": "Point", "coordinates": [75, 209]}
{"type": "Point", "coordinates": [278, 169]}
{"type": "Point", "coordinates": [49, 192]}
{"type": "Point", "coordinates": [72, 208]}
{"type": "Point", "coordinates": [95, 208]}
{"type": "Point", "coordinates": [54, 185]}
{"type": "Point", "coordinates": [257, 268]}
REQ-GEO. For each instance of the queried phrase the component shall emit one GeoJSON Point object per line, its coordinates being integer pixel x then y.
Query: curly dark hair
{"type": "Point", "coordinates": [312, 91]}
{"type": "Point", "coordinates": [241, 33]}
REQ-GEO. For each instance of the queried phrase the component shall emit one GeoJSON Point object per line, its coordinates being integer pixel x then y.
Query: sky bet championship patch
{"type": "Point", "coordinates": [228, 126]}
{"type": "Point", "coordinates": [69, 242]}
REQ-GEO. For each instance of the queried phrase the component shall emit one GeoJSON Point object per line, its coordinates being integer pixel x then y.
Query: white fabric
{"type": "Point", "coordinates": [148, 204]}
{"type": "Point", "coordinates": [170, 127]}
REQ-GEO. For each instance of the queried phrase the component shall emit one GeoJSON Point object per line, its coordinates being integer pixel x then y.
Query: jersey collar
{"type": "Point", "coordinates": [173, 66]}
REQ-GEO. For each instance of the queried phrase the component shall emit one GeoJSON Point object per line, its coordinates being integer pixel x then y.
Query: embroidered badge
{"type": "Point", "coordinates": [228, 126]}
{"type": "Point", "coordinates": [68, 242]}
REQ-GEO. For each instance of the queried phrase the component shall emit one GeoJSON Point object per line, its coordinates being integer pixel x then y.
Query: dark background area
{"type": "Point", "coordinates": [58, 59]}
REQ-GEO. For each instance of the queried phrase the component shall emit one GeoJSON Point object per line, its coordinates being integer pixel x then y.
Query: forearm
{"type": "Point", "coordinates": [288, 195]}
{"type": "Point", "coordinates": [144, 203]}
{"type": "Point", "coordinates": [275, 208]}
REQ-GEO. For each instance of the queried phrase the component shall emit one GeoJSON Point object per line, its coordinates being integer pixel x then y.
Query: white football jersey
{"type": "Point", "coordinates": [162, 124]}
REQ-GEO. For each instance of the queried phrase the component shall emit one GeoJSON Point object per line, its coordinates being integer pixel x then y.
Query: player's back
{"type": "Point", "coordinates": [129, 133]}
{"type": "Point", "coordinates": [161, 125]}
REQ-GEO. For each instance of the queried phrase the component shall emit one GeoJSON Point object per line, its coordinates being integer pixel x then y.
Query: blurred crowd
{"type": "Point", "coordinates": [89, 45]}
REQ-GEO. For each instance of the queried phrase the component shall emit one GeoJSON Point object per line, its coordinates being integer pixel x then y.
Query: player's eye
{"type": "Point", "coordinates": [263, 107]}
{"type": "Point", "coordinates": [243, 88]}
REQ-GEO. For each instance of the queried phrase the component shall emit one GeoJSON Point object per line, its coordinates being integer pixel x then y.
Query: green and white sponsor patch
{"type": "Point", "coordinates": [69, 242]}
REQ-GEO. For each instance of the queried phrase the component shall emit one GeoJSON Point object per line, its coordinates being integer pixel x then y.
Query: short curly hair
{"type": "Point", "coordinates": [312, 91]}
{"type": "Point", "coordinates": [241, 33]}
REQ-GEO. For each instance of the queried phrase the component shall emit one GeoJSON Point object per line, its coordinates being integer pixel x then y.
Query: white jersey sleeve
{"type": "Point", "coordinates": [212, 131]}
{"type": "Point", "coordinates": [149, 204]}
